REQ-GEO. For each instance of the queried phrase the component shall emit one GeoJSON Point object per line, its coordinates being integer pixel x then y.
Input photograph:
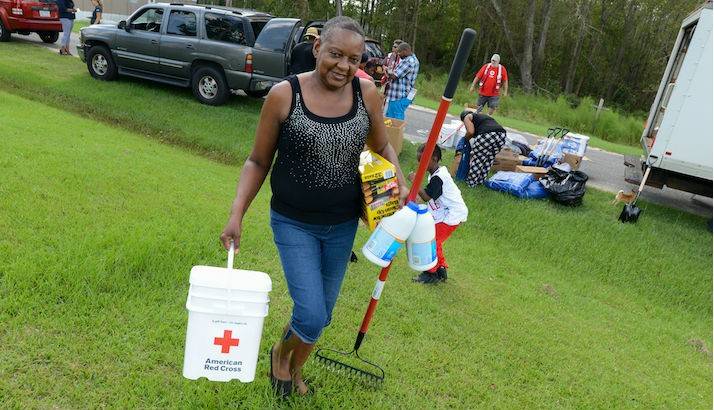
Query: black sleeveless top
{"type": "Point", "coordinates": [315, 178]}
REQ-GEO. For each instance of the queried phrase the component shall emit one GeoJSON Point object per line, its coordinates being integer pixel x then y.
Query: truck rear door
{"type": "Point", "coordinates": [272, 47]}
{"type": "Point", "coordinates": [179, 44]}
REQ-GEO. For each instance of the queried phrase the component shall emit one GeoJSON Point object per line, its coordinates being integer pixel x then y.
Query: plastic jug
{"type": "Point", "coordinates": [421, 243]}
{"type": "Point", "coordinates": [226, 308]}
{"type": "Point", "coordinates": [390, 235]}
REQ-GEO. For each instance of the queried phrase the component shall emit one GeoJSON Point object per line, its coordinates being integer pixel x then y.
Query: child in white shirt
{"type": "Point", "coordinates": [446, 206]}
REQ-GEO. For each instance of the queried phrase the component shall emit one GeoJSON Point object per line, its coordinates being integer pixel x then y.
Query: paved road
{"type": "Point", "coordinates": [605, 170]}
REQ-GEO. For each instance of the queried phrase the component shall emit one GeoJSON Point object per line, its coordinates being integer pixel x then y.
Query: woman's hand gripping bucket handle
{"type": "Point", "coordinates": [231, 254]}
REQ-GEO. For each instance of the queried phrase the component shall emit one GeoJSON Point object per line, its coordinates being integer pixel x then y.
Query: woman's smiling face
{"type": "Point", "coordinates": [338, 57]}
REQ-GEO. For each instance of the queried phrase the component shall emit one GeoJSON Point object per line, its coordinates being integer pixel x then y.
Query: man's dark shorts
{"type": "Point", "coordinates": [483, 100]}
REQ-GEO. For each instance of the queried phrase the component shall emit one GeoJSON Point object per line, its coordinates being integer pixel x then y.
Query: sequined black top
{"type": "Point", "coordinates": [315, 178]}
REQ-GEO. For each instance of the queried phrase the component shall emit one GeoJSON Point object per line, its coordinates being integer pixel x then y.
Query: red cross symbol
{"type": "Point", "coordinates": [226, 341]}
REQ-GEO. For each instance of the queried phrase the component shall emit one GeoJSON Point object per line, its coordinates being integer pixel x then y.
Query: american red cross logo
{"type": "Point", "coordinates": [226, 341]}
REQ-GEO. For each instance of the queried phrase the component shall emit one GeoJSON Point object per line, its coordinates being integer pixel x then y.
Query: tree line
{"type": "Point", "coordinates": [611, 49]}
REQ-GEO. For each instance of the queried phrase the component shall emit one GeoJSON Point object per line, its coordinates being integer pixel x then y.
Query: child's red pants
{"type": "Point", "coordinates": [443, 231]}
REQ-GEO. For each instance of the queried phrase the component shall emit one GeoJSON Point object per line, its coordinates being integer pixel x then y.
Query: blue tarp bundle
{"type": "Point", "coordinates": [520, 184]}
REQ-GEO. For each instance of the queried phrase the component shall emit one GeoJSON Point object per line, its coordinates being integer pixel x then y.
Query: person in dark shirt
{"type": "Point", "coordinates": [302, 59]}
{"type": "Point", "coordinates": [66, 15]}
{"type": "Point", "coordinates": [485, 139]}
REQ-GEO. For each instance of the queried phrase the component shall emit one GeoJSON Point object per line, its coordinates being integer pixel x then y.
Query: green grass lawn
{"type": "Point", "coordinates": [80, 24]}
{"type": "Point", "coordinates": [166, 113]}
{"type": "Point", "coordinates": [545, 306]}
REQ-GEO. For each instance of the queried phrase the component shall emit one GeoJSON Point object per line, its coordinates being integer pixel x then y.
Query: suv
{"type": "Point", "coordinates": [213, 50]}
{"type": "Point", "coordinates": [26, 16]}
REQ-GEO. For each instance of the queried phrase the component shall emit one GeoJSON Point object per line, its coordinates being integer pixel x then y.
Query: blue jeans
{"type": "Point", "coordinates": [397, 108]}
{"type": "Point", "coordinates": [314, 259]}
{"type": "Point", "coordinates": [66, 31]}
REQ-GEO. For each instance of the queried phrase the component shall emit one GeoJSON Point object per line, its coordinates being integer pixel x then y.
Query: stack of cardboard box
{"type": "Point", "coordinates": [506, 160]}
{"type": "Point", "coordinates": [380, 188]}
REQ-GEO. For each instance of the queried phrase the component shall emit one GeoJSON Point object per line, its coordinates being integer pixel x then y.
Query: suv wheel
{"type": "Point", "coordinates": [209, 85]}
{"type": "Point", "coordinates": [257, 93]}
{"type": "Point", "coordinates": [101, 64]}
{"type": "Point", "coordinates": [48, 37]}
{"type": "Point", "coordinates": [4, 32]}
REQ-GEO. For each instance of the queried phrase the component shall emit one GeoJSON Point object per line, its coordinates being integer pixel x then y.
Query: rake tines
{"type": "Point", "coordinates": [361, 369]}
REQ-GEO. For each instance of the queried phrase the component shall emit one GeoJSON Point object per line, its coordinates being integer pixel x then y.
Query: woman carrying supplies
{"type": "Point", "coordinates": [484, 139]}
{"type": "Point", "coordinates": [318, 123]}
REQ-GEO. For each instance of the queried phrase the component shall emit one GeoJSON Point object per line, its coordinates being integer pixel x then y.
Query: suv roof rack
{"type": "Point", "coordinates": [176, 4]}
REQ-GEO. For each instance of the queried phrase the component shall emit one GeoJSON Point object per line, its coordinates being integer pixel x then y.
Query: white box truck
{"type": "Point", "coordinates": [677, 138]}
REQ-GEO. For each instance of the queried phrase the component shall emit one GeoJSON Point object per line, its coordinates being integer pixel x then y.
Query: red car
{"type": "Point", "coordinates": [27, 16]}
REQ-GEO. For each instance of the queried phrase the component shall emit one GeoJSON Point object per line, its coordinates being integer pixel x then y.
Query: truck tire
{"type": "Point", "coordinates": [209, 85]}
{"type": "Point", "coordinates": [101, 64]}
{"type": "Point", "coordinates": [4, 32]}
{"type": "Point", "coordinates": [48, 37]}
{"type": "Point", "coordinates": [257, 93]}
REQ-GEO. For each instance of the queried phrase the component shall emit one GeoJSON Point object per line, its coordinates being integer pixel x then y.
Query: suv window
{"type": "Point", "coordinates": [182, 23]}
{"type": "Point", "coordinates": [274, 36]}
{"type": "Point", "coordinates": [257, 27]}
{"type": "Point", "coordinates": [225, 28]}
{"type": "Point", "coordinates": [148, 20]}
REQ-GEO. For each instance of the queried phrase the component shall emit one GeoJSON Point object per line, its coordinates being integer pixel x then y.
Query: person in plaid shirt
{"type": "Point", "coordinates": [401, 90]}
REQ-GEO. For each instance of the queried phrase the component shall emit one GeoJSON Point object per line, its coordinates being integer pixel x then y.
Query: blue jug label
{"type": "Point", "coordinates": [423, 253]}
{"type": "Point", "coordinates": [383, 245]}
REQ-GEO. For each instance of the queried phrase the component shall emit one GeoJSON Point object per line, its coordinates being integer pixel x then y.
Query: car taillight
{"type": "Point", "coordinates": [249, 63]}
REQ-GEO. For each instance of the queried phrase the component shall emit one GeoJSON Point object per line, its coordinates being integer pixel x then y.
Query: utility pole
{"type": "Point", "coordinates": [338, 3]}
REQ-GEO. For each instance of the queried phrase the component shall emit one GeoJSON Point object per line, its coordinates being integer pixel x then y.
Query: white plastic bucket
{"type": "Point", "coordinates": [226, 308]}
{"type": "Point", "coordinates": [451, 133]}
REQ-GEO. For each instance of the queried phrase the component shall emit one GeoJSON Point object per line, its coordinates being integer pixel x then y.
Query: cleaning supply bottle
{"type": "Point", "coordinates": [421, 243]}
{"type": "Point", "coordinates": [390, 235]}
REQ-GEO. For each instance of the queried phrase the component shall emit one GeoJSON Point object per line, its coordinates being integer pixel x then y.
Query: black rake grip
{"type": "Point", "coordinates": [468, 37]}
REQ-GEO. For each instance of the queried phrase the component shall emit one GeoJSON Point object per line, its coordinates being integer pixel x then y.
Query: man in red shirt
{"type": "Point", "coordinates": [490, 78]}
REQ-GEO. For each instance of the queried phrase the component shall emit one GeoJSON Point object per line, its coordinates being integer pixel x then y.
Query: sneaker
{"type": "Point", "coordinates": [427, 278]}
{"type": "Point", "coordinates": [442, 274]}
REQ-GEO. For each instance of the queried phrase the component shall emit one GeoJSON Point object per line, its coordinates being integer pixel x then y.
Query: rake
{"type": "Point", "coordinates": [350, 362]}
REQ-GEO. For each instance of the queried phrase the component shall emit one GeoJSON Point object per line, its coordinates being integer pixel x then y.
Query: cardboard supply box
{"type": "Point", "coordinates": [573, 160]}
{"type": "Point", "coordinates": [377, 174]}
{"type": "Point", "coordinates": [371, 217]}
{"type": "Point", "coordinates": [395, 133]}
{"type": "Point", "coordinates": [455, 164]}
{"type": "Point", "coordinates": [506, 160]}
{"type": "Point", "coordinates": [378, 188]}
{"type": "Point", "coordinates": [374, 168]}
{"type": "Point", "coordinates": [538, 172]}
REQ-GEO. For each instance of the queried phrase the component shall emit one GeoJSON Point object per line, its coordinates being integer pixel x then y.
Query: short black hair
{"type": "Point", "coordinates": [340, 23]}
{"type": "Point", "coordinates": [436, 154]}
{"type": "Point", "coordinates": [365, 57]}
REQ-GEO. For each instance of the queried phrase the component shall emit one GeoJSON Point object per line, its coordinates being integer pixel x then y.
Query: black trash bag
{"type": "Point", "coordinates": [567, 188]}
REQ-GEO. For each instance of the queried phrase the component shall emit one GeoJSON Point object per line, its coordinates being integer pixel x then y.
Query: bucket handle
{"type": "Point", "coordinates": [231, 254]}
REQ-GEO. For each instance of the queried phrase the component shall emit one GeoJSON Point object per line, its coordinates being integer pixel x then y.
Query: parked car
{"type": "Point", "coordinates": [28, 16]}
{"type": "Point", "coordinates": [213, 50]}
{"type": "Point", "coordinates": [376, 57]}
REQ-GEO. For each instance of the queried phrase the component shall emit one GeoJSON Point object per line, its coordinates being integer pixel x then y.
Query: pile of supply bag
{"type": "Point", "coordinates": [548, 169]}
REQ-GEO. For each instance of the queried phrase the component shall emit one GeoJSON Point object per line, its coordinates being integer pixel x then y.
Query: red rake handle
{"type": "Point", "coordinates": [457, 68]}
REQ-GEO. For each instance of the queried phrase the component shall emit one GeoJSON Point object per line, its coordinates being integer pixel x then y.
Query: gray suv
{"type": "Point", "coordinates": [212, 50]}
